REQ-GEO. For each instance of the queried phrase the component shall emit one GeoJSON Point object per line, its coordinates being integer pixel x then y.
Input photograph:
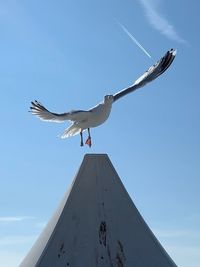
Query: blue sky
{"type": "Point", "coordinates": [68, 55]}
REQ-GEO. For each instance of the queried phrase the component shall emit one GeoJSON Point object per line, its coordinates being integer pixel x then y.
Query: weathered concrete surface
{"type": "Point", "coordinates": [97, 224]}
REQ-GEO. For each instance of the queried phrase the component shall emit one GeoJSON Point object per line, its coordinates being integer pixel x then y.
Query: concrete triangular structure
{"type": "Point", "coordinates": [97, 224]}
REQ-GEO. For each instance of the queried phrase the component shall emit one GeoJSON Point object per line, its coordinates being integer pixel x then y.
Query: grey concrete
{"type": "Point", "coordinates": [97, 224]}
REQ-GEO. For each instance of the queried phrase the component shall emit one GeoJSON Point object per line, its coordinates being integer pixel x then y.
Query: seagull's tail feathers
{"type": "Point", "coordinates": [71, 131]}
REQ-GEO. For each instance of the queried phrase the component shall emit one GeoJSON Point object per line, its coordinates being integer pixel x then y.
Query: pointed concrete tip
{"type": "Point", "coordinates": [94, 155]}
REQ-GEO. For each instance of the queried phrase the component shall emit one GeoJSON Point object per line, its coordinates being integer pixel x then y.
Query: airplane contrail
{"type": "Point", "coordinates": [133, 39]}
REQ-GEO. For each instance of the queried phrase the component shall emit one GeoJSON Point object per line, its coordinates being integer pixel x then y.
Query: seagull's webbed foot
{"type": "Point", "coordinates": [89, 142]}
{"type": "Point", "coordinates": [89, 139]}
{"type": "Point", "coordinates": [81, 134]}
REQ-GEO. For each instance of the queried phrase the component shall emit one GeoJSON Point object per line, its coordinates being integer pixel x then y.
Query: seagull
{"type": "Point", "coordinates": [85, 119]}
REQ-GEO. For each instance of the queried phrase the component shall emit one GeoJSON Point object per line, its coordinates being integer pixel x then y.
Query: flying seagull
{"type": "Point", "coordinates": [86, 119]}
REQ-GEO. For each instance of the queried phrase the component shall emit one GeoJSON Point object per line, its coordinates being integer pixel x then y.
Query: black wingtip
{"type": "Point", "coordinates": [173, 51]}
{"type": "Point", "coordinates": [168, 59]}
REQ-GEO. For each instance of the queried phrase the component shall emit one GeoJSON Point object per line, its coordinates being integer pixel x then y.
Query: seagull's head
{"type": "Point", "coordinates": [108, 99]}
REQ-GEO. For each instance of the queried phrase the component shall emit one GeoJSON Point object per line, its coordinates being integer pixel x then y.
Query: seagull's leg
{"type": "Point", "coordinates": [81, 134]}
{"type": "Point", "coordinates": [89, 140]}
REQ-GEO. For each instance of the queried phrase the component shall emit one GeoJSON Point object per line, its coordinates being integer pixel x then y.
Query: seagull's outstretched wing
{"type": "Point", "coordinates": [152, 73]}
{"type": "Point", "coordinates": [44, 114]}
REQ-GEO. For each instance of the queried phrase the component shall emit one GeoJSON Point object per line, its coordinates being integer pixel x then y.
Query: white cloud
{"type": "Point", "coordinates": [178, 234]}
{"type": "Point", "coordinates": [9, 219]}
{"type": "Point", "coordinates": [159, 22]}
{"type": "Point", "coordinates": [13, 249]}
{"type": "Point", "coordinates": [10, 258]}
{"type": "Point", "coordinates": [184, 255]}
{"type": "Point", "coordinates": [16, 240]}
{"type": "Point", "coordinates": [41, 225]}
{"type": "Point", "coordinates": [183, 245]}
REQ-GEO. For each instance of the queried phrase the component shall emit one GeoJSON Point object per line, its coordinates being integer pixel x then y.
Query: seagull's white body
{"type": "Point", "coordinates": [97, 115]}
{"type": "Point", "coordinates": [89, 119]}
{"type": "Point", "coordinates": [86, 119]}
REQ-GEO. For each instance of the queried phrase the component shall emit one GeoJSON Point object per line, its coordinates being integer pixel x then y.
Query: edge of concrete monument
{"type": "Point", "coordinates": [40, 247]}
